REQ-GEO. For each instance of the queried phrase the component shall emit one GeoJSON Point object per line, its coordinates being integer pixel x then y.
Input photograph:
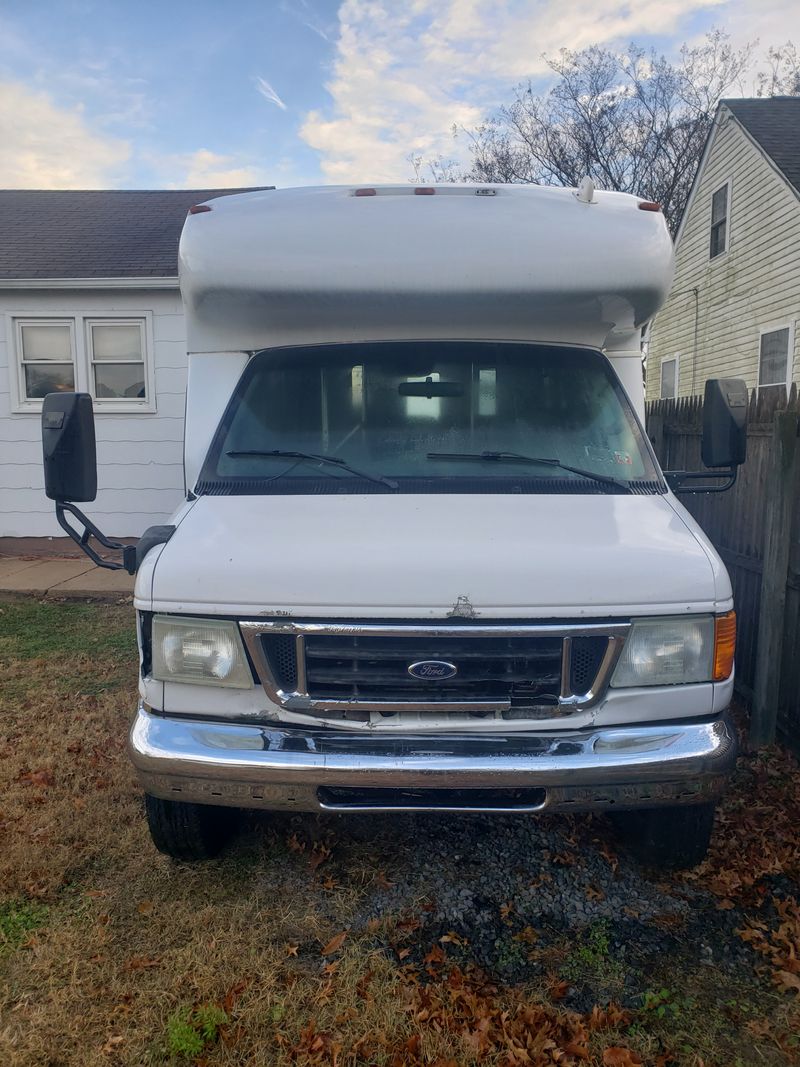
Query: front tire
{"type": "Point", "coordinates": [671, 838]}
{"type": "Point", "coordinates": [187, 831]}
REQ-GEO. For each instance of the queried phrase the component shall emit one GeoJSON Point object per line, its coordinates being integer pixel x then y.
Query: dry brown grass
{"type": "Point", "coordinates": [107, 945]}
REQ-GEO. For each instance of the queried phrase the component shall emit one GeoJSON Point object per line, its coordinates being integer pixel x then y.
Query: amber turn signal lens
{"type": "Point", "coordinates": [724, 645]}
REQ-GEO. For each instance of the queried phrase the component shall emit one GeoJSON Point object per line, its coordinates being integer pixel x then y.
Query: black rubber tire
{"type": "Point", "coordinates": [189, 831]}
{"type": "Point", "coordinates": [671, 838]}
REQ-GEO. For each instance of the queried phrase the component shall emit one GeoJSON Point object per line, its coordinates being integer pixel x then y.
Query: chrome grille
{"type": "Point", "coordinates": [515, 671]}
{"type": "Point", "coordinates": [355, 667]}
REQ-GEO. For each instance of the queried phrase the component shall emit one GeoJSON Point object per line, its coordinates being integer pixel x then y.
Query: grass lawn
{"type": "Point", "coordinates": [312, 941]}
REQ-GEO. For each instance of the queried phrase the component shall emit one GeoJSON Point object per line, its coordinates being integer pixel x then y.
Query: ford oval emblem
{"type": "Point", "coordinates": [432, 670]}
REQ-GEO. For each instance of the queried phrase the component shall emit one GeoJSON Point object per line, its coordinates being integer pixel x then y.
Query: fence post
{"type": "Point", "coordinates": [779, 496]}
{"type": "Point", "coordinates": [655, 431]}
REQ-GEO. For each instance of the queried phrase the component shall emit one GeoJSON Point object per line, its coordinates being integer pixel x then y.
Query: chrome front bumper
{"type": "Point", "coordinates": [255, 766]}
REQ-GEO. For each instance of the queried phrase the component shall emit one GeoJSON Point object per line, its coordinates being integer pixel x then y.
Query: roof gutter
{"type": "Point", "coordinates": [90, 283]}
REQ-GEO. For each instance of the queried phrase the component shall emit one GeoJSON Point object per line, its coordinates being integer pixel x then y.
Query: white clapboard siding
{"type": "Point", "coordinates": [139, 456]}
{"type": "Point", "coordinates": [754, 286]}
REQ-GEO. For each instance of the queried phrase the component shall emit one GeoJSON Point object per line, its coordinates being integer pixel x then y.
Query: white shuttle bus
{"type": "Point", "coordinates": [427, 559]}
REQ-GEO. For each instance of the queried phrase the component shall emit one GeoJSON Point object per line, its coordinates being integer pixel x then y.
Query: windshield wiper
{"type": "Point", "coordinates": [603, 479]}
{"type": "Point", "coordinates": [336, 461]}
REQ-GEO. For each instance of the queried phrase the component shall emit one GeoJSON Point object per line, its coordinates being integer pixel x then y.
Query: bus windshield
{"type": "Point", "coordinates": [437, 416]}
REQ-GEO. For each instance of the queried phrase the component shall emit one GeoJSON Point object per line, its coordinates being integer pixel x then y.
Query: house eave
{"type": "Point", "coordinates": [170, 282]}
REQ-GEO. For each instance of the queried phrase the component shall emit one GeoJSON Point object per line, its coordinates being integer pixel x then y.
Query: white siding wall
{"type": "Point", "coordinates": [140, 456]}
{"type": "Point", "coordinates": [753, 286]}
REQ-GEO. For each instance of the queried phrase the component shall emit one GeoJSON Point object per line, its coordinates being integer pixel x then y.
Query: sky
{"type": "Point", "coordinates": [176, 94]}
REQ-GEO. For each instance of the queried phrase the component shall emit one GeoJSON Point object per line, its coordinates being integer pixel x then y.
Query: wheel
{"type": "Point", "coordinates": [672, 838]}
{"type": "Point", "coordinates": [189, 831]}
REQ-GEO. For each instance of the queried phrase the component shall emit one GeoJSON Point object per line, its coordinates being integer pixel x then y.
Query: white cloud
{"type": "Point", "coordinates": [269, 93]}
{"type": "Point", "coordinates": [44, 146]}
{"type": "Point", "coordinates": [205, 169]}
{"type": "Point", "coordinates": [404, 74]}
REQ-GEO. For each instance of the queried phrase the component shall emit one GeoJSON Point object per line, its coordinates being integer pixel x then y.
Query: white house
{"type": "Point", "coordinates": [735, 301]}
{"type": "Point", "coordinates": [89, 300]}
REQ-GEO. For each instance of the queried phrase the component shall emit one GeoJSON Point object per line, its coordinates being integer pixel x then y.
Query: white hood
{"type": "Point", "coordinates": [402, 556]}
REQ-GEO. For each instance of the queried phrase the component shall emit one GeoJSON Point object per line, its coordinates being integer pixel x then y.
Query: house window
{"type": "Point", "coordinates": [46, 357]}
{"type": "Point", "coordinates": [773, 358]}
{"type": "Point", "coordinates": [719, 221]}
{"type": "Point", "coordinates": [669, 378]}
{"type": "Point", "coordinates": [110, 358]}
{"type": "Point", "coordinates": [115, 350]}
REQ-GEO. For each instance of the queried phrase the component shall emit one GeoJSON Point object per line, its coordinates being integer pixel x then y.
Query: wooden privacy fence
{"type": "Point", "coordinates": [755, 527]}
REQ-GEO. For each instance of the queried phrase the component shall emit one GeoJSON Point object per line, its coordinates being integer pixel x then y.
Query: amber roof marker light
{"type": "Point", "coordinates": [198, 209]}
{"type": "Point", "coordinates": [649, 205]}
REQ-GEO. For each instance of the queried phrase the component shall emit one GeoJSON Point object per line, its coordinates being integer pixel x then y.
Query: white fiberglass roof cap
{"type": "Point", "coordinates": [342, 263]}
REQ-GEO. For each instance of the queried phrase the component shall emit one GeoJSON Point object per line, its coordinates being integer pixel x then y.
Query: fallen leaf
{"type": "Point", "coordinates": [528, 935]}
{"type": "Point", "coordinates": [142, 963]}
{"type": "Point", "coordinates": [452, 938]}
{"type": "Point", "coordinates": [144, 907]}
{"type": "Point", "coordinates": [40, 779]}
{"type": "Point", "coordinates": [334, 944]}
{"type": "Point", "coordinates": [291, 950]}
{"type": "Point", "coordinates": [614, 1056]}
{"type": "Point", "coordinates": [787, 982]}
{"type": "Point", "coordinates": [382, 881]}
{"type": "Point", "coordinates": [318, 856]}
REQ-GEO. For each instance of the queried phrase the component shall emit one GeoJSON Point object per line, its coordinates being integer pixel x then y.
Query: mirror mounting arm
{"type": "Point", "coordinates": [675, 480]}
{"type": "Point", "coordinates": [90, 530]}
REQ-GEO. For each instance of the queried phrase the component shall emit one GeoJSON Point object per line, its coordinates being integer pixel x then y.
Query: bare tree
{"type": "Point", "coordinates": [782, 77]}
{"type": "Point", "coordinates": [634, 121]}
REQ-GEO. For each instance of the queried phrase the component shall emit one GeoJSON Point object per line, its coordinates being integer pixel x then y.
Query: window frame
{"type": "Point", "coordinates": [80, 343]}
{"type": "Point", "coordinates": [22, 401]}
{"type": "Point", "coordinates": [129, 405]}
{"type": "Point", "coordinates": [671, 359]}
{"type": "Point", "coordinates": [727, 185]}
{"type": "Point", "coordinates": [775, 328]}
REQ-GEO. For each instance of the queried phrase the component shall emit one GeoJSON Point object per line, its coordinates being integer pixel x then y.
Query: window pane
{"type": "Point", "coordinates": [117, 342]}
{"type": "Point", "coordinates": [717, 239]}
{"type": "Point", "coordinates": [46, 342]}
{"type": "Point", "coordinates": [487, 391]}
{"type": "Point", "coordinates": [54, 378]}
{"type": "Point", "coordinates": [119, 380]}
{"type": "Point", "coordinates": [668, 378]}
{"type": "Point", "coordinates": [774, 355]}
{"type": "Point", "coordinates": [719, 205]}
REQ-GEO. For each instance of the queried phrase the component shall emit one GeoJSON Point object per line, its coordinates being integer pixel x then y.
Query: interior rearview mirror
{"type": "Point", "coordinates": [430, 388]}
{"type": "Point", "coordinates": [724, 441]}
{"type": "Point", "coordinates": [68, 444]}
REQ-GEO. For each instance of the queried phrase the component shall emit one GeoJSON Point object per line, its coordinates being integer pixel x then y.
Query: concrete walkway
{"type": "Point", "coordinates": [61, 577]}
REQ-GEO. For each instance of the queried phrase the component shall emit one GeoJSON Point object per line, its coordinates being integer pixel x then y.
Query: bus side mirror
{"type": "Point", "coordinates": [724, 441]}
{"type": "Point", "coordinates": [68, 445]}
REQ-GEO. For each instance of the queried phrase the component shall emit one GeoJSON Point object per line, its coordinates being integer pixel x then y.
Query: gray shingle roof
{"type": "Point", "coordinates": [774, 123]}
{"type": "Point", "coordinates": [109, 233]}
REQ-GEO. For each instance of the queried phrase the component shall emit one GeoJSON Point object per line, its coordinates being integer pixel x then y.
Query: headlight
{"type": "Point", "coordinates": [204, 651]}
{"type": "Point", "coordinates": [668, 651]}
